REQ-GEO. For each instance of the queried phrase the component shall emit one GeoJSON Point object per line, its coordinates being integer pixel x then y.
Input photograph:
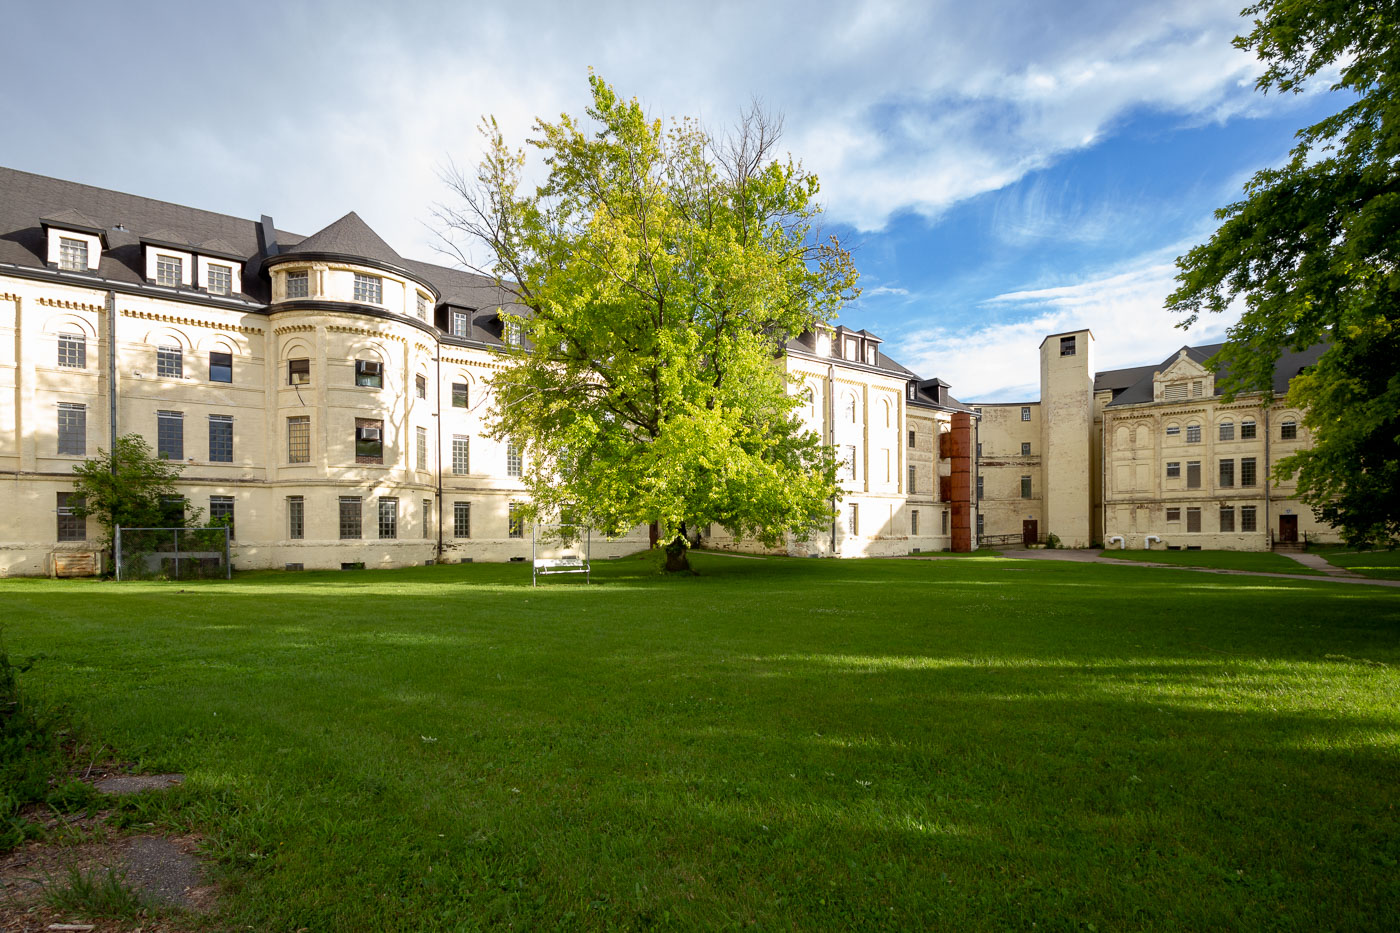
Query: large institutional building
{"type": "Point", "coordinates": [329, 399]}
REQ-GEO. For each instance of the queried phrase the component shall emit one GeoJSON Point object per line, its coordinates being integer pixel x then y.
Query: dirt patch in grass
{"type": "Point", "coordinates": [163, 870]}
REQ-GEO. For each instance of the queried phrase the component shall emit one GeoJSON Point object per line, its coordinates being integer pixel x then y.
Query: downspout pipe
{"type": "Point", "coordinates": [437, 363]}
{"type": "Point", "coordinates": [1268, 481]}
{"type": "Point", "coordinates": [830, 431]}
{"type": "Point", "coordinates": [112, 375]}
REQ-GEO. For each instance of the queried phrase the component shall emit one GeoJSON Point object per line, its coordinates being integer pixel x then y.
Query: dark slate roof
{"type": "Point", "coordinates": [125, 218]}
{"type": "Point", "coordinates": [70, 219]}
{"type": "Point", "coordinates": [348, 236]}
{"type": "Point", "coordinates": [1134, 386]}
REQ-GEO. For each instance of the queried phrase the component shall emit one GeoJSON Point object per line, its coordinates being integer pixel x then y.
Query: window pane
{"type": "Point", "coordinates": [1227, 472]}
{"type": "Point", "coordinates": [1193, 474]}
{"type": "Point", "coordinates": [369, 289]}
{"type": "Point", "coordinates": [220, 367]}
{"type": "Point", "coordinates": [1227, 518]}
{"type": "Point", "coordinates": [459, 323]}
{"type": "Point", "coordinates": [72, 254]}
{"type": "Point", "coordinates": [1288, 430]}
{"type": "Point", "coordinates": [299, 439]}
{"type": "Point", "coordinates": [221, 512]}
{"type": "Point", "coordinates": [1247, 476]}
{"type": "Point", "coordinates": [1066, 346]}
{"type": "Point", "coordinates": [72, 430]}
{"type": "Point", "coordinates": [420, 386]}
{"type": "Point", "coordinates": [513, 462]}
{"type": "Point", "coordinates": [220, 279]}
{"type": "Point", "coordinates": [912, 438]}
{"type": "Point", "coordinates": [369, 441]}
{"type": "Point", "coordinates": [70, 526]}
{"type": "Point", "coordinates": [298, 372]}
{"type": "Point", "coordinates": [422, 306]}
{"type": "Point", "coordinates": [170, 435]}
{"type": "Point", "coordinates": [349, 517]}
{"type": "Point", "coordinates": [169, 363]}
{"type": "Point", "coordinates": [422, 451]}
{"type": "Point", "coordinates": [1193, 434]}
{"type": "Point", "coordinates": [1248, 518]}
{"type": "Point", "coordinates": [1025, 487]}
{"type": "Point", "coordinates": [1227, 431]}
{"type": "Point", "coordinates": [1193, 519]}
{"type": "Point", "coordinates": [461, 519]}
{"type": "Point", "coordinates": [72, 351]}
{"type": "Point", "coordinates": [1247, 430]}
{"type": "Point", "coordinates": [169, 270]}
{"type": "Point", "coordinates": [296, 518]}
{"type": "Point", "coordinates": [1025, 448]}
{"type": "Point", "coordinates": [515, 522]}
{"type": "Point", "coordinates": [388, 518]}
{"type": "Point", "coordinates": [1025, 413]}
{"type": "Point", "coordinates": [914, 522]}
{"type": "Point", "coordinates": [221, 438]}
{"type": "Point", "coordinates": [369, 373]}
{"type": "Point", "coordinates": [1174, 469]}
{"type": "Point", "coordinates": [459, 395]}
{"type": "Point", "coordinates": [461, 454]}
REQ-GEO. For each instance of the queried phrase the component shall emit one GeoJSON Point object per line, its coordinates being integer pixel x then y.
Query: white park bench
{"type": "Point", "coordinates": [545, 566]}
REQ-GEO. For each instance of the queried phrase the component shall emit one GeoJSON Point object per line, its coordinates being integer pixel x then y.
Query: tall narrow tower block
{"type": "Point", "coordinates": [1066, 430]}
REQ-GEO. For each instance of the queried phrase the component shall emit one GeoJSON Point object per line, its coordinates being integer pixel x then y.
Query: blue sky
{"type": "Point", "coordinates": [1004, 170]}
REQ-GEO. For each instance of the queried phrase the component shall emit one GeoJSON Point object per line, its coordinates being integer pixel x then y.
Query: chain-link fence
{"type": "Point", "coordinates": [172, 553]}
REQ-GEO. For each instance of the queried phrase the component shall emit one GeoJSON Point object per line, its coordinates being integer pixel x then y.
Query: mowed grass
{"type": "Point", "coordinates": [1382, 565]}
{"type": "Point", "coordinates": [783, 744]}
{"type": "Point", "coordinates": [1256, 561]}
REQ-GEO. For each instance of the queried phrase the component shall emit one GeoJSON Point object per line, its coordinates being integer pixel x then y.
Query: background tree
{"type": "Point", "coordinates": [661, 273]}
{"type": "Point", "coordinates": [1312, 251]}
{"type": "Point", "coordinates": [129, 486]}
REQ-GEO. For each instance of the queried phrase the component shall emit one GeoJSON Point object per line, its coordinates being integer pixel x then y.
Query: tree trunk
{"type": "Point", "coordinates": [653, 534]}
{"type": "Point", "coordinates": [677, 556]}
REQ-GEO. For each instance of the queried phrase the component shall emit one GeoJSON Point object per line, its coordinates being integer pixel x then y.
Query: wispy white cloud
{"type": "Point", "coordinates": [881, 290]}
{"type": "Point", "coordinates": [905, 105]}
{"type": "Point", "coordinates": [999, 361]}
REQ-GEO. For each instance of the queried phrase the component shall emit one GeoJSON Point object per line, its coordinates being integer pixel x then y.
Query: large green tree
{"type": "Point", "coordinates": [661, 271]}
{"type": "Point", "coordinates": [129, 486]}
{"type": "Point", "coordinates": [1312, 253]}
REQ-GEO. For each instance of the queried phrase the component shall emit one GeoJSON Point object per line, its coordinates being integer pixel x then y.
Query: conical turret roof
{"type": "Point", "coordinates": [348, 236]}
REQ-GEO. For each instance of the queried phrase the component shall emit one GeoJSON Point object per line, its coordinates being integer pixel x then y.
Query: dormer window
{"type": "Point", "coordinates": [823, 343]}
{"type": "Point", "coordinates": [515, 333]}
{"type": "Point", "coordinates": [170, 270]}
{"type": "Point", "coordinates": [72, 254]}
{"type": "Point", "coordinates": [1174, 392]}
{"type": "Point", "coordinates": [298, 284]}
{"type": "Point", "coordinates": [851, 349]}
{"type": "Point", "coordinates": [870, 354]}
{"type": "Point", "coordinates": [369, 289]}
{"type": "Point", "coordinates": [459, 323]}
{"type": "Point", "coordinates": [220, 279]}
{"type": "Point", "coordinates": [422, 306]}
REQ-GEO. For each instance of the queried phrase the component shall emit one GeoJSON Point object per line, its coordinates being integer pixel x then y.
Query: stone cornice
{"type": "Point", "coordinates": [187, 321]}
{"type": "Point", "coordinates": [66, 305]}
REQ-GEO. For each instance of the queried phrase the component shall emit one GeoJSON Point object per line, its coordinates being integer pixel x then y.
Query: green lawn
{"type": "Point", "coordinates": [1383, 565]}
{"type": "Point", "coordinates": [1258, 561]}
{"type": "Point", "coordinates": [787, 744]}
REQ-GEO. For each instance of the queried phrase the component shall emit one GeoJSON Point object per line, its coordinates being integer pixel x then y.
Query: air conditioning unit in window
{"type": "Point", "coordinates": [369, 434]}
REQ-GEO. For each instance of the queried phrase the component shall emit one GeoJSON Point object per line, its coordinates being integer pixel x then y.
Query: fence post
{"type": "Point", "coordinates": [117, 552]}
{"type": "Point", "coordinates": [228, 558]}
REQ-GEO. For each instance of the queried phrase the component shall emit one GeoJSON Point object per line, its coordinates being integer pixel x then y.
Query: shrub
{"type": "Point", "coordinates": [29, 753]}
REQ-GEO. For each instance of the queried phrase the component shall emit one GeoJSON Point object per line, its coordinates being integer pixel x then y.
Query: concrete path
{"type": "Point", "coordinates": [1332, 575]}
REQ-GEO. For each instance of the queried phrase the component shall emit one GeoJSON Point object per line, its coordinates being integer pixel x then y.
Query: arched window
{"type": "Point", "coordinates": [849, 409]}
{"type": "Point", "coordinates": [1227, 430]}
{"type": "Point", "coordinates": [1288, 429]}
{"type": "Point", "coordinates": [887, 412]}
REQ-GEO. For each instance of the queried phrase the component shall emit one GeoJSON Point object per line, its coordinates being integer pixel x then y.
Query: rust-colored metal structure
{"type": "Point", "coordinates": [958, 452]}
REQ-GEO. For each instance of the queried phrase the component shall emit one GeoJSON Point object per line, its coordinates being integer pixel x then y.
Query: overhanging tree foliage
{"type": "Point", "coordinates": [663, 271]}
{"type": "Point", "coordinates": [128, 486]}
{"type": "Point", "coordinates": [1312, 251]}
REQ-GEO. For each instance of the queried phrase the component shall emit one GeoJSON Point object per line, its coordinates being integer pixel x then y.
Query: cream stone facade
{"type": "Point", "coordinates": [329, 397]}
{"type": "Point", "coordinates": [885, 425]}
{"type": "Point", "coordinates": [1147, 457]}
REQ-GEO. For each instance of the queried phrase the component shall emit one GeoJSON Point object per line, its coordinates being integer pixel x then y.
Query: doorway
{"type": "Point", "coordinates": [1288, 529]}
{"type": "Point", "coordinates": [1030, 532]}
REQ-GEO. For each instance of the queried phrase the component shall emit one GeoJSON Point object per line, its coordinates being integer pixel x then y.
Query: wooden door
{"type": "Point", "coordinates": [1288, 529]}
{"type": "Point", "coordinates": [1030, 533]}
